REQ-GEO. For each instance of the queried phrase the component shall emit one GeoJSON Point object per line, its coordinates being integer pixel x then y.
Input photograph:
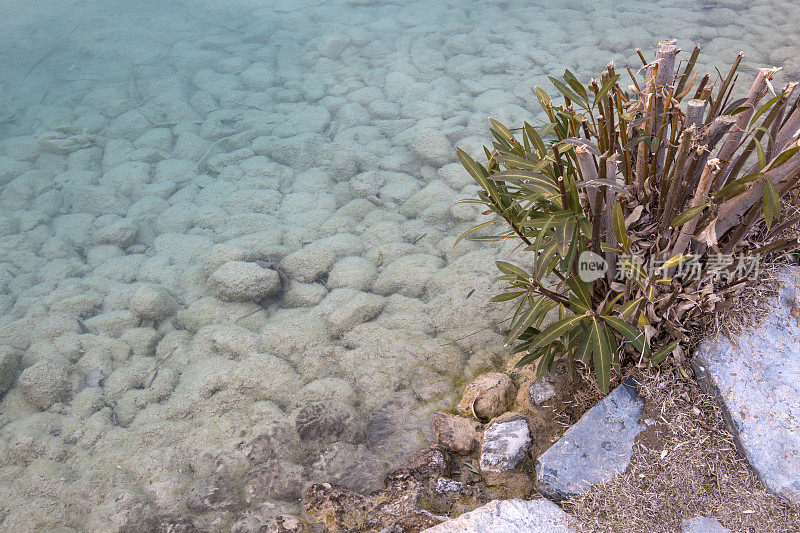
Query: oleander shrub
{"type": "Point", "coordinates": [636, 207]}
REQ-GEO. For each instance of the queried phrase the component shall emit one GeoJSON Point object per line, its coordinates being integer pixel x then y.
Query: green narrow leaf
{"type": "Point", "coordinates": [688, 215]}
{"type": "Point", "coordinates": [576, 85]}
{"type": "Point", "coordinates": [566, 91]}
{"type": "Point", "coordinates": [556, 330]}
{"type": "Point", "coordinates": [772, 202]}
{"type": "Point", "coordinates": [502, 131]}
{"type": "Point", "coordinates": [628, 309]}
{"type": "Point", "coordinates": [584, 351]}
{"type": "Point", "coordinates": [506, 296]}
{"type": "Point", "coordinates": [546, 362]}
{"type": "Point", "coordinates": [473, 230]}
{"type": "Point", "coordinates": [663, 352]}
{"type": "Point", "coordinates": [618, 224]}
{"type": "Point", "coordinates": [735, 107]}
{"type": "Point", "coordinates": [630, 332]}
{"type": "Point", "coordinates": [565, 233]}
{"type": "Point", "coordinates": [544, 259]}
{"type": "Point", "coordinates": [601, 354]}
{"type": "Point", "coordinates": [530, 180]}
{"type": "Point", "coordinates": [572, 253]}
{"type": "Point", "coordinates": [610, 305]}
{"type": "Point", "coordinates": [544, 99]}
{"type": "Point", "coordinates": [675, 260]}
{"type": "Point", "coordinates": [762, 156]}
{"type": "Point", "coordinates": [581, 289]}
{"type": "Point", "coordinates": [514, 162]}
{"type": "Point", "coordinates": [534, 312]}
{"type": "Point", "coordinates": [476, 170]}
{"type": "Point", "coordinates": [607, 86]}
{"type": "Point", "coordinates": [736, 186]}
{"type": "Point", "coordinates": [511, 270]}
{"type": "Point", "coordinates": [613, 347]}
{"type": "Point", "coordinates": [783, 157]}
{"type": "Point", "coordinates": [529, 358]}
{"type": "Point", "coordinates": [536, 139]}
{"type": "Point", "coordinates": [764, 108]}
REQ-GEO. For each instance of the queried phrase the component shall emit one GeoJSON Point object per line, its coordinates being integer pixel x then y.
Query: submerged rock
{"type": "Point", "coordinates": [322, 423]}
{"type": "Point", "coordinates": [44, 383]}
{"type": "Point", "coordinates": [9, 363]}
{"type": "Point", "coordinates": [211, 494]}
{"type": "Point", "coordinates": [153, 302]}
{"type": "Point", "coordinates": [510, 516]}
{"type": "Point", "coordinates": [755, 378]}
{"type": "Point", "coordinates": [164, 523]}
{"type": "Point", "coordinates": [351, 466]}
{"type": "Point", "coordinates": [594, 450]}
{"type": "Point", "coordinates": [239, 281]}
{"type": "Point", "coordinates": [275, 479]}
{"type": "Point", "coordinates": [399, 507]}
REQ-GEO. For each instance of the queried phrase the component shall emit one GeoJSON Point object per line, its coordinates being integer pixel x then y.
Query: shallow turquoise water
{"type": "Point", "coordinates": [313, 136]}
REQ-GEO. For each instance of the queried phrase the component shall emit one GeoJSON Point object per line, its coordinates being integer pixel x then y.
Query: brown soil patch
{"type": "Point", "coordinates": [573, 398]}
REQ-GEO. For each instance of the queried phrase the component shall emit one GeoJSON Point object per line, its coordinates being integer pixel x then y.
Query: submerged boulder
{"type": "Point", "coordinates": [239, 281]}
{"type": "Point", "coordinates": [45, 383]}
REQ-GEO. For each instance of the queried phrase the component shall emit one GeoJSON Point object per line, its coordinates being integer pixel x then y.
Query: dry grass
{"type": "Point", "coordinates": [683, 465]}
{"type": "Point", "coordinates": [746, 306]}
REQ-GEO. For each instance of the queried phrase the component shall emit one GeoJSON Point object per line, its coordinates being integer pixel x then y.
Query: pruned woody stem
{"type": "Point", "coordinates": [634, 172]}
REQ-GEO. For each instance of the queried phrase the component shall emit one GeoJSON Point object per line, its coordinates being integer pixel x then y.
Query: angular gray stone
{"type": "Point", "coordinates": [510, 516]}
{"type": "Point", "coordinates": [594, 450]}
{"type": "Point", "coordinates": [541, 391]}
{"type": "Point", "coordinates": [756, 381]}
{"type": "Point", "coordinates": [505, 445]}
{"type": "Point", "coordinates": [703, 524]}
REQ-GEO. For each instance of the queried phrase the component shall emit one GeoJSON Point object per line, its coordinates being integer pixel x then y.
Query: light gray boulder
{"type": "Point", "coordinates": [238, 281]}
{"type": "Point", "coordinates": [756, 379]}
{"type": "Point", "coordinates": [332, 45]}
{"type": "Point", "coordinates": [510, 516]}
{"type": "Point", "coordinates": [505, 444]}
{"type": "Point", "coordinates": [594, 450]}
{"type": "Point", "coordinates": [407, 275]}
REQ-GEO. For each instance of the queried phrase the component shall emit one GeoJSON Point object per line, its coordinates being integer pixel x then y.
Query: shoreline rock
{"type": "Point", "coordinates": [596, 448]}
